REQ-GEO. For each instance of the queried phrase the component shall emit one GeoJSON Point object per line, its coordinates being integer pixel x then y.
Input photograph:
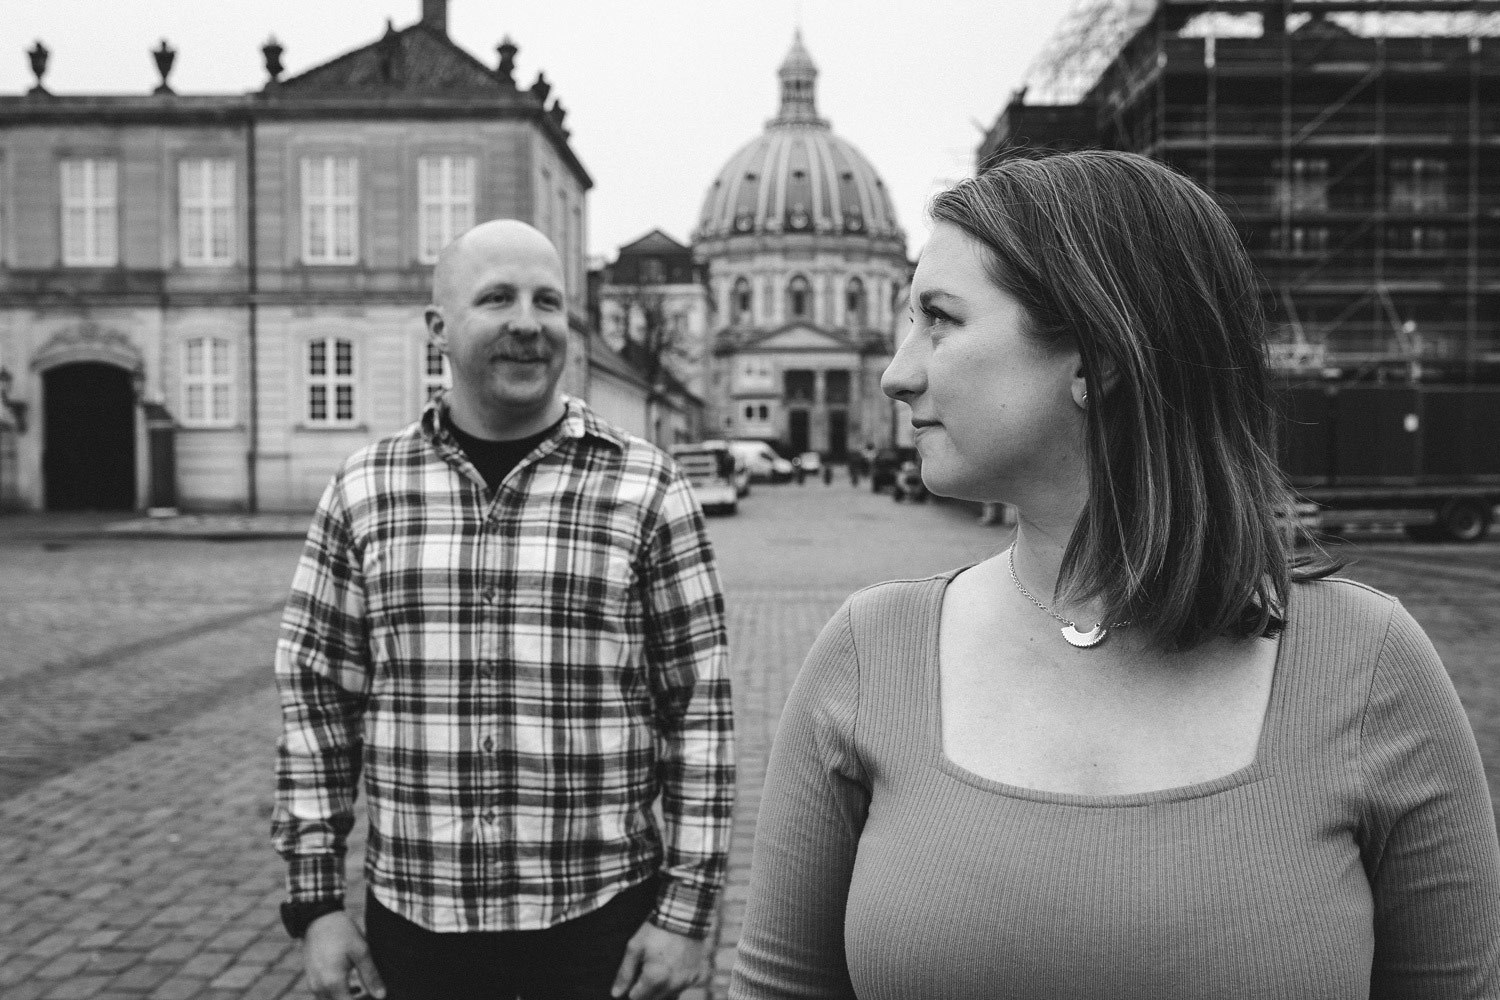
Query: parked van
{"type": "Point", "coordinates": [710, 470]}
{"type": "Point", "coordinates": [761, 461]}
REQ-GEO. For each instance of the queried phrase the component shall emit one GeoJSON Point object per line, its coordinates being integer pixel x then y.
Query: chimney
{"type": "Point", "coordinates": [435, 15]}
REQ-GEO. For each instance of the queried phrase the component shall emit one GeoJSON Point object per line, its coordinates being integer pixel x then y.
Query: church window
{"type": "Point", "coordinates": [740, 303]}
{"type": "Point", "coordinates": [89, 237]}
{"type": "Point", "coordinates": [330, 210]}
{"type": "Point", "coordinates": [799, 298]}
{"type": "Point", "coordinates": [206, 211]}
{"type": "Point", "coordinates": [207, 382]}
{"type": "Point", "coordinates": [445, 186]}
{"type": "Point", "coordinates": [651, 272]}
{"type": "Point", "coordinates": [435, 374]}
{"type": "Point", "coordinates": [330, 381]}
{"type": "Point", "coordinates": [854, 303]}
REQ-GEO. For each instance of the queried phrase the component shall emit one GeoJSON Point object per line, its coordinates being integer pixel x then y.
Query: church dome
{"type": "Point", "coordinates": [797, 176]}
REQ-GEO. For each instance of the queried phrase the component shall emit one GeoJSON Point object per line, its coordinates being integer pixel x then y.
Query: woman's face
{"type": "Point", "coordinates": [995, 411]}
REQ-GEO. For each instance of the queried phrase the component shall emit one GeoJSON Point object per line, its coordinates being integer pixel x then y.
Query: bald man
{"type": "Point", "coordinates": [508, 625]}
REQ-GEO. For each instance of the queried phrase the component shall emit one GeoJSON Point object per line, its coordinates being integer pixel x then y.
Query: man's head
{"type": "Point", "coordinates": [499, 312]}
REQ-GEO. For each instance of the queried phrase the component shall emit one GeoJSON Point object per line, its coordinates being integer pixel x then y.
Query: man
{"type": "Point", "coordinates": [508, 617]}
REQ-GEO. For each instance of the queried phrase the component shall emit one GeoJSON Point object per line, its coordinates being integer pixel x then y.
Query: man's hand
{"type": "Point", "coordinates": [659, 964]}
{"type": "Point", "coordinates": [332, 947]}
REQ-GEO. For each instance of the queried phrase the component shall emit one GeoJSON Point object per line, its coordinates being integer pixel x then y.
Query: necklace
{"type": "Point", "coordinates": [1070, 631]}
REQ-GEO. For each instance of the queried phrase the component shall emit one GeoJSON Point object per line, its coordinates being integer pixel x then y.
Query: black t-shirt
{"type": "Point", "coordinates": [495, 459]}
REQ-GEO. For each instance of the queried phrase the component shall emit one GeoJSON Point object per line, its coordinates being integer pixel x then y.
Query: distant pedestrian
{"type": "Point", "coordinates": [827, 474]}
{"type": "Point", "coordinates": [801, 472]}
{"type": "Point", "coordinates": [1151, 749]}
{"type": "Point", "coordinates": [854, 468]}
{"type": "Point", "coordinates": [518, 670]}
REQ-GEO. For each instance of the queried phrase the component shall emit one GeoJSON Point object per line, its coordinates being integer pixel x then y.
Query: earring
{"type": "Point", "coordinates": [1085, 397]}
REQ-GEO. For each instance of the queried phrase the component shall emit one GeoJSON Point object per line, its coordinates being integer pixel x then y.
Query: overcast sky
{"type": "Point", "coordinates": [659, 93]}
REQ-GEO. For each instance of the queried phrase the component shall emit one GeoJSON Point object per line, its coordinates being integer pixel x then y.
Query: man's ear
{"type": "Point", "coordinates": [436, 330]}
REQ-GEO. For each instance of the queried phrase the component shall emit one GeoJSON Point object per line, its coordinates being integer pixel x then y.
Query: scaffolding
{"type": "Point", "coordinates": [1355, 142]}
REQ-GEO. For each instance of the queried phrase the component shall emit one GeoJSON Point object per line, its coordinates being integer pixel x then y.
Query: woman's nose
{"type": "Point", "coordinates": [903, 376]}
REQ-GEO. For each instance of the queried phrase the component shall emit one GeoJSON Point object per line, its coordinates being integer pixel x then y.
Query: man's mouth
{"type": "Point", "coordinates": [520, 356]}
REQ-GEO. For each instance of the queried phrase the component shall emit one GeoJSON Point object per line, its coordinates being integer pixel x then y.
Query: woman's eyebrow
{"type": "Point", "coordinates": [926, 298]}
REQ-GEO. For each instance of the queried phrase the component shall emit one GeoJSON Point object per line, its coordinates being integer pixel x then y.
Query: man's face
{"type": "Point", "coordinates": [501, 317]}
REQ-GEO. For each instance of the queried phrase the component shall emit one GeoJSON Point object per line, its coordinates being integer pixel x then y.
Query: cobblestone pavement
{"type": "Point", "coordinates": [137, 721]}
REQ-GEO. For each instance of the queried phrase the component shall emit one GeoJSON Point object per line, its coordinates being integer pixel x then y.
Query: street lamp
{"type": "Point", "coordinates": [16, 407]}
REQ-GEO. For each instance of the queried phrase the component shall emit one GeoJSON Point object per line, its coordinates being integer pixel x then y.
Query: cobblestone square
{"type": "Point", "coordinates": [137, 720]}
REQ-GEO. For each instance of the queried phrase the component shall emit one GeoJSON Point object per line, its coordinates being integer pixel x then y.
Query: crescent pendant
{"type": "Point", "coordinates": [1084, 640]}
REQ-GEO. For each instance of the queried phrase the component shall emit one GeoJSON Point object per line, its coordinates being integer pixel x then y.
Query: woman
{"type": "Point", "coordinates": [1143, 752]}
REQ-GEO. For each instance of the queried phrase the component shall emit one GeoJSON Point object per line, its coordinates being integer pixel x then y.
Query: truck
{"type": "Point", "coordinates": [1422, 456]}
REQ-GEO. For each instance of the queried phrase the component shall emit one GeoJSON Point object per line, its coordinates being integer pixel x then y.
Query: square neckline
{"type": "Point", "coordinates": [1259, 769]}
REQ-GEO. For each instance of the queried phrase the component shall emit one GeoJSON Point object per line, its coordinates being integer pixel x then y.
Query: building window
{"type": "Point", "coordinates": [836, 386]}
{"type": "Point", "coordinates": [1301, 241]}
{"type": "Point", "coordinates": [651, 272]}
{"type": "Point", "coordinates": [854, 303]}
{"type": "Point", "coordinates": [207, 382]}
{"type": "Point", "coordinates": [445, 186]}
{"type": "Point", "coordinates": [1303, 188]}
{"type": "Point", "coordinates": [1418, 239]}
{"type": "Point", "coordinates": [799, 386]}
{"type": "Point", "coordinates": [89, 237]}
{"type": "Point", "coordinates": [330, 381]}
{"type": "Point", "coordinates": [1419, 185]}
{"type": "Point", "coordinates": [739, 302]}
{"type": "Point", "coordinates": [205, 210]}
{"type": "Point", "coordinates": [798, 298]}
{"type": "Point", "coordinates": [435, 374]}
{"type": "Point", "coordinates": [330, 210]}
{"type": "Point", "coordinates": [765, 412]}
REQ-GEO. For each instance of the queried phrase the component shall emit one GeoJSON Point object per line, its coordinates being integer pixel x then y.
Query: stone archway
{"type": "Point", "coordinates": [88, 444]}
{"type": "Point", "coordinates": [89, 419]}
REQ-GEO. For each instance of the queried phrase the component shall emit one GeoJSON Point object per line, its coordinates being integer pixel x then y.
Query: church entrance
{"type": "Point", "coordinates": [798, 429]}
{"type": "Point", "coordinates": [838, 435]}
{"type": "Point", "coordinates": [88, 452]}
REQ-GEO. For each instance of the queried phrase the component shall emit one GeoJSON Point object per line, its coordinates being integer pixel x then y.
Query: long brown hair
{"type": "Point", "coordinates": [1188, 529]}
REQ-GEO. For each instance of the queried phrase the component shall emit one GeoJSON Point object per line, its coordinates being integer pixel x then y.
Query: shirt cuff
{"type": "Point", "coordinates": [314, 878]}
{"type": "Point", "coordinates": [685, 909]}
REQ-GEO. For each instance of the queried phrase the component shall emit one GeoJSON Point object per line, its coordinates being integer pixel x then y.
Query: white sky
{"type": "Point", "coordinates": [659, 93]}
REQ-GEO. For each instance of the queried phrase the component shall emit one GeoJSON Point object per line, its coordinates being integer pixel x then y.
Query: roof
{"type": "Point", "coordinates": [656, 242]}
{"type": "Point", "coordinates": [797, 176]}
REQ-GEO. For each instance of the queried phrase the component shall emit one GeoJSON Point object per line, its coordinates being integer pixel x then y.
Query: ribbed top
{"type": "Point", "coordinates": [1355, 857]}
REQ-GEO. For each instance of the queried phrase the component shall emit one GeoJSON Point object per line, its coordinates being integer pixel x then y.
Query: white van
{"type": "Point", "coordinates": [710, 470]}
{"type": "Point", "coordinates": [762, 462]}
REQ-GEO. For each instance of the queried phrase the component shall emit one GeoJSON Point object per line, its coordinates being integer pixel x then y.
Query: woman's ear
{"type": "Point", "coordinates": [1085, 389]}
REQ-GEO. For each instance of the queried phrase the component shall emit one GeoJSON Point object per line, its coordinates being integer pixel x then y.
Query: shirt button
{"type": "Point", "coordinates": [489, 594]}
{"type": "Point", "coordinates": [489, 743]}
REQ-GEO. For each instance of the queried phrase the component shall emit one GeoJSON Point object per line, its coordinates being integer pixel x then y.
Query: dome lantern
{"type": "Point", "coordinates": [799, 78]}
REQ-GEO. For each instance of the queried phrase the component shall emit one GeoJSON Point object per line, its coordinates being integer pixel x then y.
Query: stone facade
{"type": "Point", "coordinates": [243, 278]}
{"type": "Point", "coordinates": [805, 262]}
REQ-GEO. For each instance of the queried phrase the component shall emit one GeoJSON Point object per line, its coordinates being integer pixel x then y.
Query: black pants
{"type": "Point", "coordinates": [575, 960]}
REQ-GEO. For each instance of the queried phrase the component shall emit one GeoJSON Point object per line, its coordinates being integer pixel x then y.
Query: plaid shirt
{"type": "Point", "coordinates": [517, 674]}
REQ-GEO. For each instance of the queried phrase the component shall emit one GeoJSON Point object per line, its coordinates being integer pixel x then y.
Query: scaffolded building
{"type": "Point", "coordinates": [1356, 144]}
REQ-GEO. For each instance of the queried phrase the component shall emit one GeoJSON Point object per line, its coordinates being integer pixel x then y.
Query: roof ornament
{"type": "Point", "coordinates": [506, 72]}
{"type": "Point", "coordinates": [799, 77]}
{"type": "Point", "coordinates": [165, 56]}
{"type": "Point", "coordinates": [386, 50]}
{"type": "Point", "coordinates": [272, 51]}
{"type": "Point", "coordinates": [38, 54]}
{"type": "Point", "coordinates": [557, 113]}
{"type": "Point", "coordinates": [541, 88]}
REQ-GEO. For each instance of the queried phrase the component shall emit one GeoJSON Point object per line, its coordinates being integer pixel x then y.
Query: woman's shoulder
{"type": "Point", "coordinates": [1344, 598]}
{"type": "Point", "coordinates": [899, 600]}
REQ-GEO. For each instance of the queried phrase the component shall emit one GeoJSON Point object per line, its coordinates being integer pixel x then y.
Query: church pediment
{"type": "Point", "coordinates": [800, 337]}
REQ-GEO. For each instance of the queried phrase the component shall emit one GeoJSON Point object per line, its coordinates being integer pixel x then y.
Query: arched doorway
{"type": "Point", "coordinates": [88, 451]}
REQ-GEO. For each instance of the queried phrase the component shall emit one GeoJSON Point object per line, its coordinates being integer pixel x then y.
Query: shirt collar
{"type": "Point", "coordinates": [578, 421]}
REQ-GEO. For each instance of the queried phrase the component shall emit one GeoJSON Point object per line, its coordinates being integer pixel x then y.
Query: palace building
{"type": "Point", "coordinates": [804, 261]}
{"type": "Point", "coordinates": [208, 301]}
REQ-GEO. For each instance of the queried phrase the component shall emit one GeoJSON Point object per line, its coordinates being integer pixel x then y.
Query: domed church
{"type": "Point", "coordinates": [804, 261]}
